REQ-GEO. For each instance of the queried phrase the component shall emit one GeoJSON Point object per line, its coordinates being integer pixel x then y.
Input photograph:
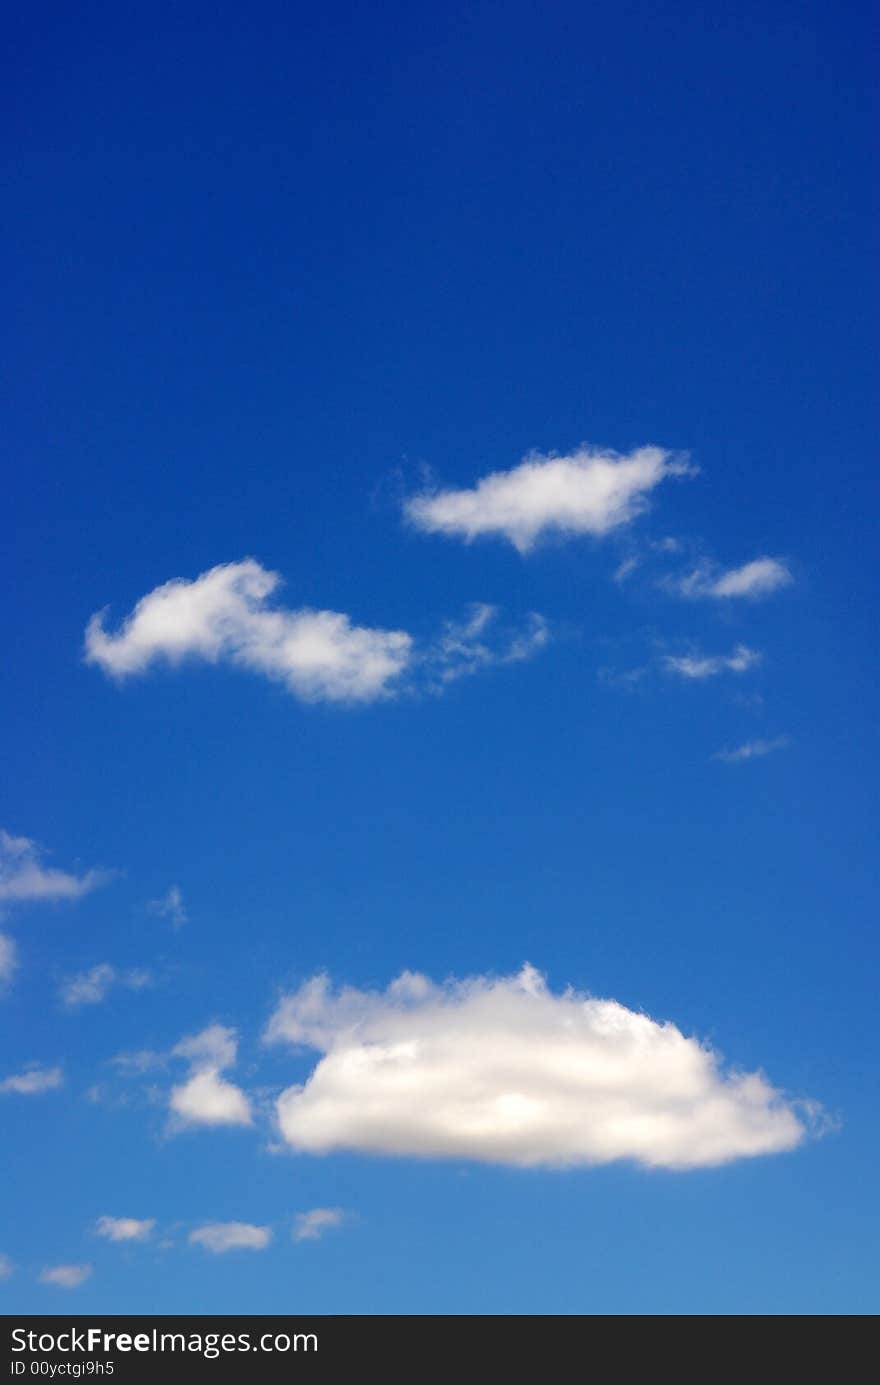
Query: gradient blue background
{"type": "Point", "coordinates": [261, 268]}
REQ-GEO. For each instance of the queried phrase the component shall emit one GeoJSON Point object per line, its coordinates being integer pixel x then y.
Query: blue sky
{"type": "Point", "coordinates": [288, 287]}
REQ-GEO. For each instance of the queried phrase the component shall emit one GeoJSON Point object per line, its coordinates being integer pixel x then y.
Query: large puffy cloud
{"type": "Point", "coordinates": [207, 1098]}
{"type": "Point", "coordinates": [505, 1071]}
{"type": "Point", "coordinates": [25, 877]}
{"type": "Point", "coordinates": [225, 615]}
{"type": "Point", "coordinates": [590, 491]}
{"type": "Point", "coordinates": [760, 577]}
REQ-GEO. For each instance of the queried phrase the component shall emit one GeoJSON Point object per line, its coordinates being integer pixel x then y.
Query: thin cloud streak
{"type": "Point", "coordinates": [751, 750]}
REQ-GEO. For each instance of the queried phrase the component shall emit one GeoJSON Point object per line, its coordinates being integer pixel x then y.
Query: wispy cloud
{"type": "Point", "coordinates": [65, 1276]}
{"type": "Point", "coordinates": [25, 877]}
{"type": "Point", "coordinates": [626, 568]}
{"type": "Point", "coordinates": [699, 666]}
{"type": "Point", "coordinates": [140, 1061]}
{"type": "Point", "coordinates": [751, 750]}
{"type": "Point", "coordinates": [8, 958]}
{"type": "Point", "coordinates": [693, 665]}
{"type": "Point", "coordinates": [7, 1268]}
{"type": "Point", "coordinates": [465, 647]}
{"type": "Point", "coordinates": [502, 1070]}
{"type": "Point", "coordinates": [221, 1236]}
{"type": "Point", "coordinates": [34, 1080]}
{"type": "Point", "coordinates": [312, 1225]}
{"type": "Point", "coordinates": [753, 580]}
{"type": "Point", "coordinates": [589, 491]}
{"type": "Point", "coordinates": [92, 987]}
{"type": "Point", "coordinates": [125, 1228]}
{"type": "Point", "coordinates": [207, 1098]}
{"type": "Point", "coordinates": [170, 906]}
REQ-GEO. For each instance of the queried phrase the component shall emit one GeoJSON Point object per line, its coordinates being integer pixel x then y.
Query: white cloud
{"type": "Point", "coordinates": [312, 1225]}
{"type": "Point", "coordinates": [698, 666]}
{"type": "Point", "coordinates": [65, 1276]}
{"type": "Point", "coordinates": [206, 1098]}
{"type": "Point", "coordinates": [224, 615]}
{"type": "Point", "coordinates": [758, 578]}
{"type": "Point", "coordinates": [8, 958]}
{"type": "Point", "coordinates": [141, 1061]}
{"type": "Point", "coordinates": [24, 877]}
{"type": "Point", "coordinates": [590, 491]}
{"type": "Point", "coordinates": [34, 1080]}
{"type": "Point", "coordinates": [751, 750]}
{"type": "Point", "coordinates": [504, 1071]}
{"type": "Point", "coordinates": [6, 1267]}
{"type": "Point", "coordinates": [93, 986]}
{"type": "Point", "coordinates": [465, 647]}
{"type": "Point", "coordinates": [125, 1228]}
{"type": "Point", "coordinates": [626, 568]}
{"type": "Point", "coordinates": [220, 1236]}
{"type": "Point", "coordinates": [170, 906]}
{"type": "Point", "coordinates": [214, 1047]}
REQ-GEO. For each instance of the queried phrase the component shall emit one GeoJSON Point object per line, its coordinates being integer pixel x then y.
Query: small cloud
{"type": "Point", "coordinates": [8, 959]}
{"type": "Point", "coordinates": [752, 701]}
{"type": "Point", "coordinates": [466, 647]}
{"type": "Point", "coordinates": [206, 1098]}
{"type": "Point", "coordinates": [33, 1080]}
{"type": "Point", "coordinates": [92, 987]}
{"type": "Point", "coordinates": [622, 678]}
{"type": "Point", "coordinates": [626, 568]}
{"type": "Point", "coordinates": [170, 906]}
{"type": "Point", "coordinates": [65, 1276]}
{"type": "Point", "coordinates": [25, 878]}
{"type": "Point", "coordinates": [761, 577]}
{"type": "Point", "coordinates": [221, 1236]}
{"type": "Point", "coordinates": [124, 1228]}
{"type": "Point", "coordinates": [141, 1061]}
{"type": "Point", "coordinates": [589, 491]}
{"type": "Point", "coordinates": [312, 1225]}
{"type": "Point", "coordinates": [693, 666]}
{"type": "Point", "coordinates": [214, 1047]}
{"type": "Point", "coordinates": [7, 1268]}
{"type": "Point", "coordinates": [700, 666]}
{"type": "Point", "coordinates": [751, 750]}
